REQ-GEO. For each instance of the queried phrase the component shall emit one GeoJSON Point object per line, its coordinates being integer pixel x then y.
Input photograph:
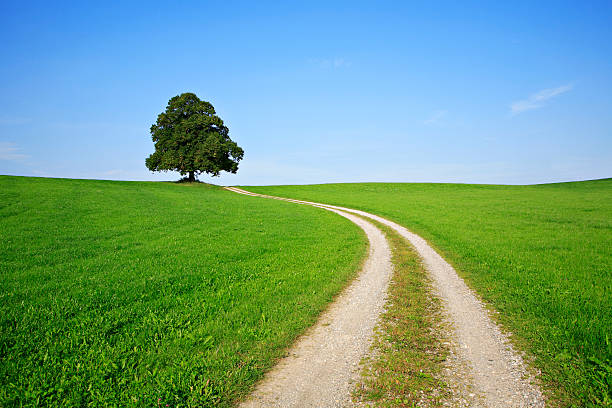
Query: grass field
{"type": "Point", "coordinates": [156, 294]}
{"type": "Point", "coordinates": [541, 255]}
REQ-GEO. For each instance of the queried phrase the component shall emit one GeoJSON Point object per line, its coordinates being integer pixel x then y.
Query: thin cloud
{"type": "Point", "coordinates": [334, 63]}
{"type": "Point", "coordinates": [436, 117]}
{"type": "Point", "coordinates": [10, 151]}
{"type": "Point", "coordinates": [537, 100]}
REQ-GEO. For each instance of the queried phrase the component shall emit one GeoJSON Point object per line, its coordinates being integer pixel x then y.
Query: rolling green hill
{"type": "Point", "coordinates": [541, 255]}
{"type": "Point", "coordinates": [146, 294]}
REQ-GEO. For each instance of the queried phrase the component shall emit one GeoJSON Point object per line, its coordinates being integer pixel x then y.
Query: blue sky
{"type": "Point", "coordinates": [484, 92]}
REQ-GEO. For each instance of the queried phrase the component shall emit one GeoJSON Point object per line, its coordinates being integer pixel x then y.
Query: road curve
{"type": "Point", "coordinates": [320, 368]}
{"type": "Point", "coordinates": [497, 373]}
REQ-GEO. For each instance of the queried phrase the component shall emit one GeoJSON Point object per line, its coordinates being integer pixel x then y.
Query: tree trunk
{"type": "Point", "coordinates": [191, 176]}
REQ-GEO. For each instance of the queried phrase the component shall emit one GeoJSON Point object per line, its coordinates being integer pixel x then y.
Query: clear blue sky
{"type": "Point", "coordinates": [491, 92]}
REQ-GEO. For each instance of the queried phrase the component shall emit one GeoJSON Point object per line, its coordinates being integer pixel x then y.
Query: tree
{"type": "Point", "coordinates": [191, 139]}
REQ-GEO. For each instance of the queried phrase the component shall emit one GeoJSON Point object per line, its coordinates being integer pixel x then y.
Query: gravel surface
{"type": "Point", "coordinates": [484, 367]}
{"type": "Point", "coordinates": [322, 366]}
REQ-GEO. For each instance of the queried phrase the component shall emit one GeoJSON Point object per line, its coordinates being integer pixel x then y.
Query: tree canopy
{"type": "Point", "coordinates": [191, 139]}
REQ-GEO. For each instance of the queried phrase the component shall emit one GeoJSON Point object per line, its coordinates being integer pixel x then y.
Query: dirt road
{"type": "Point", "coordinates": [492, 371]}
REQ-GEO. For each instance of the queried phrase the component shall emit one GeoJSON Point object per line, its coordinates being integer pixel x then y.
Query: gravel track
{"type": "Point", "coordinates": [321, 367]}
{"type": "Point", "coordinates": [492, 370]}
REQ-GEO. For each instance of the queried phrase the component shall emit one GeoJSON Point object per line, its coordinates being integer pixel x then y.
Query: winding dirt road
{"type": "Point", "coordinates": [320, 368]}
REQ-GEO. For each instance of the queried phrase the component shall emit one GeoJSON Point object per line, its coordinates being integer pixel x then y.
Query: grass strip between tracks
{"type": "Point", "coordinates": [405, 367]}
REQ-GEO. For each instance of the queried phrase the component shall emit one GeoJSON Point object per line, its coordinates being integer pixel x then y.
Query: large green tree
{"type": "Point", "coordinates": [190, 138]}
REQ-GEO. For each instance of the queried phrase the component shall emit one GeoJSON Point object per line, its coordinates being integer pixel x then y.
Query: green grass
{"type": "Point", "coordinates": [405, 367]}
{"type": "Point", "coordinates": [541, 255]}
{"type": "Point", "coordinates": [156, 294]}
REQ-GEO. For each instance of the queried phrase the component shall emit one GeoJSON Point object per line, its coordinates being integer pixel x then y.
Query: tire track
{"type": "Point", "coordinates": [321, 367]}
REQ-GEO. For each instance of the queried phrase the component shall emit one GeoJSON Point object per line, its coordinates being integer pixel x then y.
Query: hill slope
{"type": "Point", "coordinates": [147, 294]}
{"type": "Point", "coordinates": [541, 255]}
